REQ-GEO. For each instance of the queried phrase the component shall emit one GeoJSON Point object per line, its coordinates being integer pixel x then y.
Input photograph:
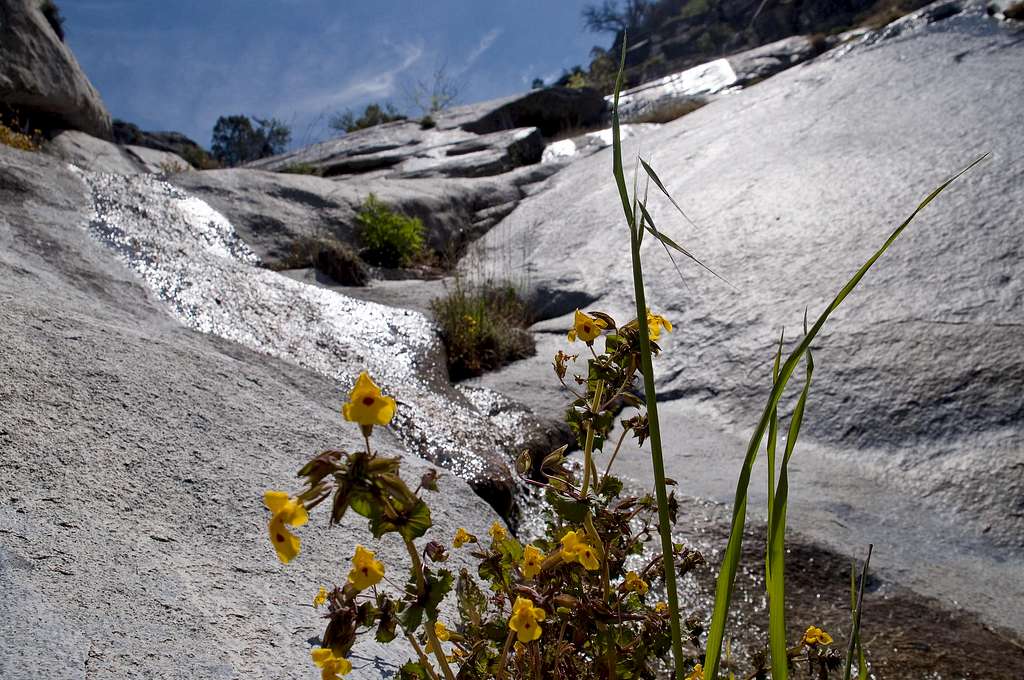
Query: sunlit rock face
{"type": "Point", "coordinates": [134, 451]}
{"type": "Point", "coordinates": [192, 259]}
{"type": "Point", "coordinates": [793, 184]}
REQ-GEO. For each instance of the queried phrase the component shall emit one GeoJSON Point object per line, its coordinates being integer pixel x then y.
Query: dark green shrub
{"type": "Point", "coordinates": [328, 255]}
{"type": "Point", "coordinates": [483, 327]}
{"type": "Point", "coordinates": [300, 169]}
{"type": "Point", "coordinates": [236, 140]}
{"type": "Point", "coordinates": [373, 115]}
{"type": "Point", "coordinates": [388, 238]}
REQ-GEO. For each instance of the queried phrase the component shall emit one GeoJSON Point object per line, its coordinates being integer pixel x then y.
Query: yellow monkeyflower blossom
{"type": "Point", "coordinates": [661, 608]}
{"type": "Point", "coordinates": [331, 667]}
{"type": "Point", "coordinates": [443, 635]}
{"type": "Point", "coordinates": [532, 559]}
{"type": "Point", "coordinates": [320, 598]}
{"type": "Point", "coordinates": [285, 510]}
{"type": "Point", "coordinates": [497, 531]}
{"type": "Point", "coordinates": [697, 673]}
{"type": "Point", "coordinates": [462, 537]}
{"type": "Point", "coordinates": [525, 620]}
{"type": "Point", "coordinates": [815, 636]}
{"type": "Point", "coordinates": [576, 548]}
{"type": "Point", "coordinates": [655, 322]}
{"type": "Point", "coordinates": [366, 405]}
{"type": "Point", "coordinates": [586, 328]}
{"type": "Point", "coordinates": [635, 583]}
{"type": "Point", "coordinates": [366, 571]}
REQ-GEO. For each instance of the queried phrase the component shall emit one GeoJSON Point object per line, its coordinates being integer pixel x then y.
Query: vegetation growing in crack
{"type": "Point", "coordinates": [483, 326]}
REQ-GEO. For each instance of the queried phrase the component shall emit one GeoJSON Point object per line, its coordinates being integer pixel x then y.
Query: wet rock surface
{"type": "Point", "coordinates": [40, 79]}
{"type": "Point", "coordinates": [134, 450]}
{"type": "Point", "coordinates": [793, 183]}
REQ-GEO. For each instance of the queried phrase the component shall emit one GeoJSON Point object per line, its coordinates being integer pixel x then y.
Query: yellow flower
{"type": "Point", "coordinates": [697, 673]}
{"type": "Point", "coordinates": [532, 559]}
{"type": "Point", "coordinates": [497, 531]}
{"type": "Point", "coordinates": [586, 328]}
{"type": "Point", "coordinates": [331, 667]}
{"type": "Point", "coordinates": [635, 583]}
{"type": "Point", "coordinates": [661, 608]}
{"type": "Point", "coordinates": [442, 634]}
{"type": "Point", "coordinates": [576, 548]}
{"type": "Point", "coordinates": [815, 636]}
{"type": "Point", "coordinates": [655, 322]}
{"type": "Point", "coordinates": [321, 597]}
{"type": "Point", "coordinates": [462, 537]}
{"type": "Point", "coordinates": [366, 571]}
{"type": "Point", "coordinates": [366, 405]}
{"type": "Point", "coordinates": [285, 510]}
{"type": "Point", "coordinates": [525, 620]}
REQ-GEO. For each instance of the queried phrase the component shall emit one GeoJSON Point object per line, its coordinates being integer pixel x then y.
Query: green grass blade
{"type": "Point", "coordinates": [620, 176]}
{"type": "Point", "coordinates": [730, 561]}
{"type": "Point", "coordinates": [777, 540]}
{"type": "Point", "coordinates": [651, 397]}
{"type": "Point", "coordinates": [855, 632]}
{"type": "Point", "coordinates": [657, 181]}
{"type": "Point", "coordinates": [669, 243]}
{"type": "Point", "coordinates": [773, 429]}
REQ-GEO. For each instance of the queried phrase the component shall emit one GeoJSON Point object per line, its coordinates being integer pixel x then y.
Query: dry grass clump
{"type": "Point", "coordinates": [483, 326]}
{"type": "Point", "coordinates": [18, 140]}
{"type": "Point", "coordinates": [327, 255]}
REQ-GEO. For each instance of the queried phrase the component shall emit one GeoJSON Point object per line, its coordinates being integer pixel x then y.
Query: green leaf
{"type": "Point", "coordinates": [730, 562]}
{"type": "Point", "coordinates": [777, 538]}
{"type": "Point", "coordinates": [412, 670]}
{"type": "Point", "coordinates": [571, 511]}
{"type": "Point", "coordinates": [388, 619]}
{"type": "Point", "coordinates": [411, 523]}
{"type": "Point", "coordinates": [438, 584]}
{"type": "Point", "coordinates": [471, 600]}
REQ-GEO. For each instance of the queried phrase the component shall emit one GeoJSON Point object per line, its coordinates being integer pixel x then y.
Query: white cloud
{"type": "Point", "coordinates": [375, 82]}
{"type": "Point", "coordinates": [486, 40]}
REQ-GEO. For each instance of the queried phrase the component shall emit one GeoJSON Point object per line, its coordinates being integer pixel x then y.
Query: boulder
{"type": "Point", "coordinates": [406, 149]}
{"type": "Point", "coordinates": [97, 155]}
{"type": "Point", "coordinates": [793, 184]}
{"type": "Point", "coordinates": [129, 134]}
{"type": "Point", "coordinates": [552, 110]}
{"type": "Point", "coordinates": [134, 450]}
{"type": "Point", "coordinates": [273, 210]}
{"type": "Point", "coordinates": [40, 79]}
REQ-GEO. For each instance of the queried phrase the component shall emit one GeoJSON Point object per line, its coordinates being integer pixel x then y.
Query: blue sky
{"type": "Point", "coordinates": [179, 64]}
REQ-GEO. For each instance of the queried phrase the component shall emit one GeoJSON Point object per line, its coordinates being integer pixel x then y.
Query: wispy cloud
{"type": "Point", "coordinates": [484, 44]}
{"type": "Point", "coordinates": [373, 83]}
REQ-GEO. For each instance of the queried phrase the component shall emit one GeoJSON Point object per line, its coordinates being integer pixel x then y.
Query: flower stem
{"type": "Point", "coordinates": [424, 661]}
{"type": "Point", "coordinates": [421, 586]}
{"type": "Point", "coordinates": [588, 449]}
{"type": "Point", "coordinates": [657, 459]}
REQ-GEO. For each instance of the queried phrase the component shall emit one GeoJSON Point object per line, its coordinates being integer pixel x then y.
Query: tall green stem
{"type": "Point", "coordinates": [657, 460]}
